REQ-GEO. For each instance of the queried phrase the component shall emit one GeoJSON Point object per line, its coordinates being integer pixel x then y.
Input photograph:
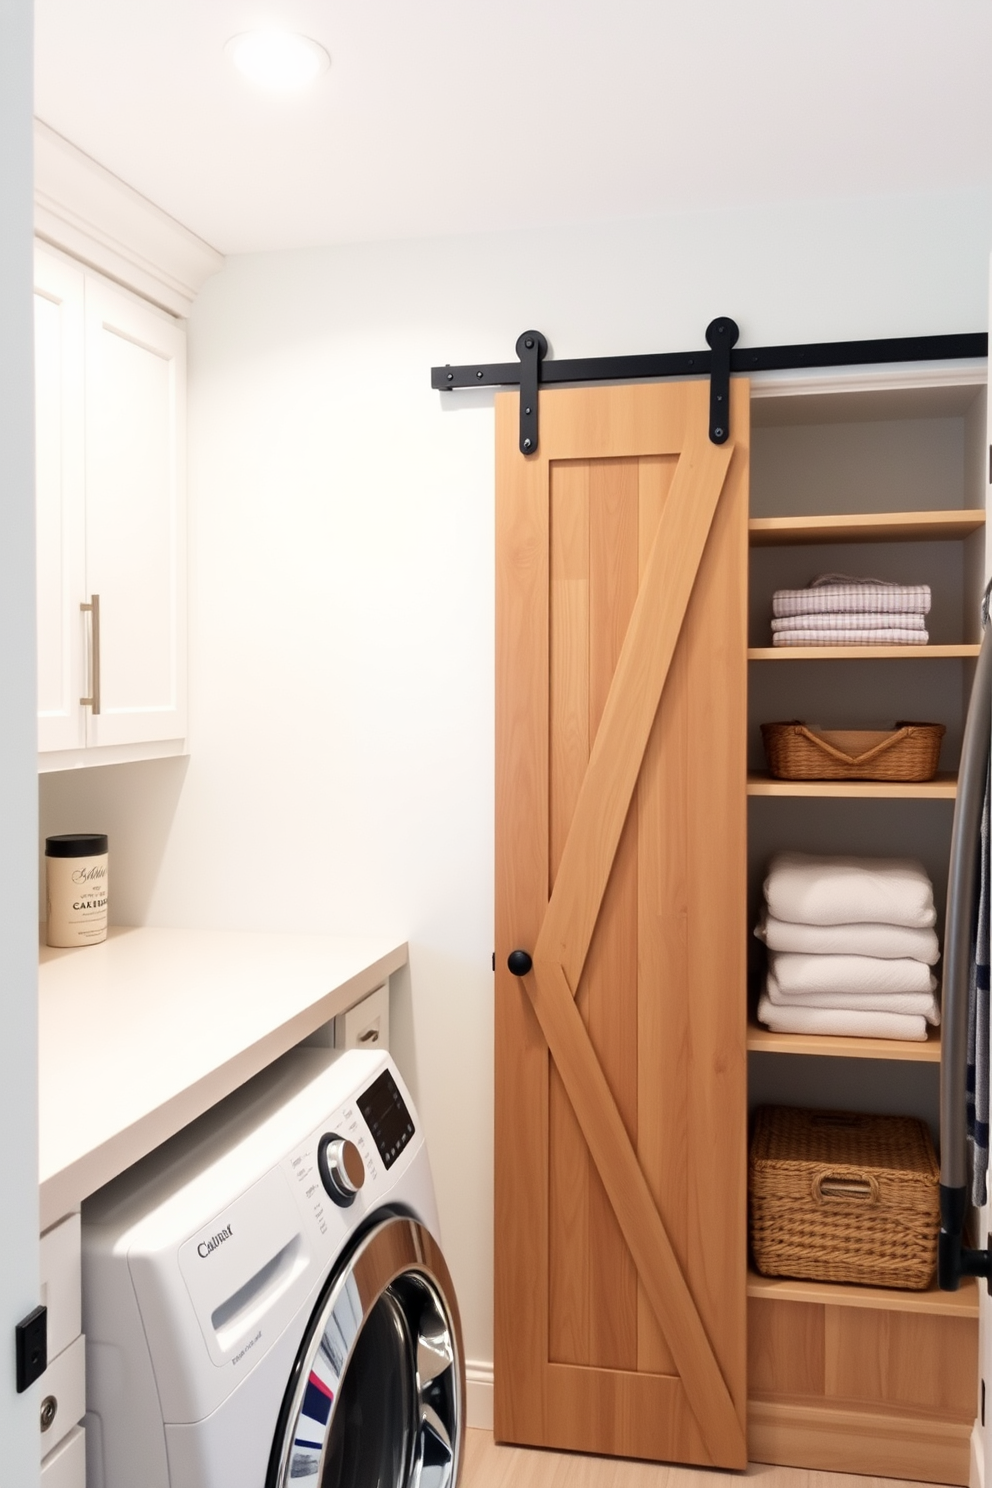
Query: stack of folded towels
{"type": "Point", "coordinates": [850, 945]}
{"type": "Point", "coordinates": [838, 610]}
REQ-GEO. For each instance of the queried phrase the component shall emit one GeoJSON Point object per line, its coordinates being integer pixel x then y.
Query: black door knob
{"type": "Point", "coordinates": [519, 963]}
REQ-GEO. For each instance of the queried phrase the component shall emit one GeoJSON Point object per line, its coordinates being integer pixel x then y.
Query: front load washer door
{"type": "Point", "coordinates": [377, 1396]}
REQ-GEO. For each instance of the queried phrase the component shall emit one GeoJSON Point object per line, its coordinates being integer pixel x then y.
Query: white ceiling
{"type": "Point", "coordinates": [457, 116]}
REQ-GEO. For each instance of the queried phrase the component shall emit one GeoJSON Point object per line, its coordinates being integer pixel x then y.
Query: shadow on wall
{"type": "Point", "coordinates": [135, 805]}
{"type": "Point", "coordinates": [402, 1032]}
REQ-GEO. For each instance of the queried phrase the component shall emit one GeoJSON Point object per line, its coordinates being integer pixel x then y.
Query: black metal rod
{"type": "Point", "coordinates": [698, 363]}
{"type": "Point", "coordinates": [959, 929]}
{"type": "Point", "coordinates": [953, 1260]}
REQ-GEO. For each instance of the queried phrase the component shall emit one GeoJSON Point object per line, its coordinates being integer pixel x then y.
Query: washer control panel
{"type": "Point", "coordinates": [350, 1152]}
{"type": "Point", "coordinates": [387, 1117]}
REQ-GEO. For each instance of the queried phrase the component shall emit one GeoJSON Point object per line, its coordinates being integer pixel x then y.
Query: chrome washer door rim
{"type": "Point", "coordinates": [399, 1262]}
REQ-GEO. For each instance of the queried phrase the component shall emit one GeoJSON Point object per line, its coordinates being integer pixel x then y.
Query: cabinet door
{"type": "Point", "coordinates": [135, 516]}
{"type": "Point", "coordinates": [620, 1254]}
{"type": "Point", "coordinates": [59, 403]}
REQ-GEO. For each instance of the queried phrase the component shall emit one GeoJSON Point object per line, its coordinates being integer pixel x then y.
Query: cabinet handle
{"type": "Point", "coordinates": [93, 701]}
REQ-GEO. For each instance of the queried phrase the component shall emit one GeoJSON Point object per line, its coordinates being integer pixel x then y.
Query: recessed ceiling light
{"type": "Point", "coordinates": [281, 61]}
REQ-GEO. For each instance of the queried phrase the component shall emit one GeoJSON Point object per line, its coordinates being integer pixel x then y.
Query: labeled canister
{"type": "Point", "coordinates": [77, 882]}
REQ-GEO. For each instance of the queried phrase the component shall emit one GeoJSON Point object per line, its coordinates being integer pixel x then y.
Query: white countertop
{"type": "Point", "coordinates": [142, 1034]}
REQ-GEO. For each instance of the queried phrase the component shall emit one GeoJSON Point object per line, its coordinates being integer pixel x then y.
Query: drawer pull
{"type": "Point", "coordinates": [49, 1410]}
{"type": "Point", "coordinates": [370, 1036]}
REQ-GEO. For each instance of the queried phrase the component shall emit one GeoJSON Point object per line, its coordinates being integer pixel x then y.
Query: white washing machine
{"type": "Point", "coordinates": [265, 1301]}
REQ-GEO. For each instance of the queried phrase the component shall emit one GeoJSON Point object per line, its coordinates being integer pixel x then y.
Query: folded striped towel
{"type": "Point", "coordinates": [886, 637]}
{"type": "Point", "coordinates": [832, 592]}
{"type": "Point", "coordinates": [885, 941]}
{"type": "Point", "coordinates": [911, 1028]}
{"type": "Point", "coordinates": [808, 889]}
{"type": "Point", "coordinates": [842, 620]}
{"type": "Point", "coordinates": [918, 1003]}
{"type": "Point", "coordinates": [866, 975]}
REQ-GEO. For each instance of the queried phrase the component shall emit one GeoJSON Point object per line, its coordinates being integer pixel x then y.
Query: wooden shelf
{"type": "Point", "coordinates": [927, 526]}
{"type": "Point", "coordinates": [943, 787]}
{"type": "Point", "coordinates": [859, 653]}
{"type": "Point", "coordinates": [933, 1302]}
{"type": "Point", "coordinates": [764, 1041]}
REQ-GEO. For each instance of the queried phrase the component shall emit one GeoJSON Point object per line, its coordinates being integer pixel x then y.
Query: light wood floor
{"type": "Point", "coordinates": [490, 1466]}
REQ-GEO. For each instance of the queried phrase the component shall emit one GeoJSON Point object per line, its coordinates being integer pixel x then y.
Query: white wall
{"type": "Point", "coordinates": [18, 798]}
{"type": "Point", "coordinates": [342, 580]}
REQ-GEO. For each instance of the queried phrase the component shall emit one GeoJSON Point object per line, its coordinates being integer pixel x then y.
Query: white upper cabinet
{"type": "Point", "coordinates": [111, 398]}
{"type": "Point", "coordinates": [135, 515]}
{"type": "Point", "coordinates": [59, 455]}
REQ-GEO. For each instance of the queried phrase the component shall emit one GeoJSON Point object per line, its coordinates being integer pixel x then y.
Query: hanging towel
{"type": "Point", "coordinates": [844, 592]}
{"type": "Point", "coordinates": [862, 637]}
{"type": "Point", "coordinates": [813, 890]}
{"type": "Point", "coordinates": [842, 1022]}
{"type": "Point", "coordinates": [978, 1026]}
{"type": "Point", "coordinates": [886, 941]}
{"type": "Point", "coordinates": [918, 1003]}
{"type": "Point", "coordinates": [845, 620]}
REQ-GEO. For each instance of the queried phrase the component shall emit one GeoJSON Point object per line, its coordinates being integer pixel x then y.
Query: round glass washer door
{"type": "Point", "coordinates": [377, 1395]}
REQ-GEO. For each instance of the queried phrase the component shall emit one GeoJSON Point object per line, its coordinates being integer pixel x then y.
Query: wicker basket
{"type": "Point", "coordinates": [910, 751]}
{"type": "Point", "coordinates": [840, 1197]}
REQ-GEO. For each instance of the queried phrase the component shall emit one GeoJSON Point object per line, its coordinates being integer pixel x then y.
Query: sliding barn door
{"type": "Point", "coordinates": [620, 869]}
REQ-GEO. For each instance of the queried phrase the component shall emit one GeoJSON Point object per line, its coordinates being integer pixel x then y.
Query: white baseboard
{"type": "Point", "coordinates": [479, 1383]}
{"type": "Point", "coordinates": [976, 1473]}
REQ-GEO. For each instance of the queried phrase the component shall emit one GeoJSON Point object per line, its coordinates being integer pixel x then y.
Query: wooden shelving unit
{"type": "Point", "coordinates": [843, 1377]}
{"type": "Point", "coordinates": [943, 787]}
{"type": "Point", "coordinates": [932, 1303]}
{"type": "Point", "coordinates": [924, 526]}
{"type": "Point", "coordinates": [861, 653]}
{"type": "Point", "coordinates": [763, 1041]}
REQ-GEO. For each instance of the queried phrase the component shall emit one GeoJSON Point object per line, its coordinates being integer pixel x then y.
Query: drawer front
{"type": "Point", "coordinates": [366, 1025]}
{"type": "Point", "coordinates": [61, 1284]}
{"type": "Point", "coordinates": [65, 1467]}
{"type": "Point", "coordinates": [62, 1395]}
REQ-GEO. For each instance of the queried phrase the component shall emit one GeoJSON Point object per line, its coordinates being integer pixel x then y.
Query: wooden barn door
{"type": "Point", "coordinates": [620, 868]}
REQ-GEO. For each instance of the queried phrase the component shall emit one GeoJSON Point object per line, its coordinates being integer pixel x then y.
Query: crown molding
{"type": "Point", "coordinates": [85, 210]}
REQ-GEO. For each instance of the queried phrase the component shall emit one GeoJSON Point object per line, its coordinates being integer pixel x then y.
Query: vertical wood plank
{"type": "Point", "coordinates": [715, 638]}
{"type": "Point", "coordinates": [520, 1343]}
{"type": "Point", "coordinates": [607, 993]}
{"type": "Point", "coordinates": [662, 1046]}
{"type": "Point", "coordinates": [572, 1280]}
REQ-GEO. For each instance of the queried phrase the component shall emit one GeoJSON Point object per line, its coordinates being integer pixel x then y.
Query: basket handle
{"type": "Point", "coordinates": [856, 759]}
{"type": "Point", "coordinates": [858, 1188]}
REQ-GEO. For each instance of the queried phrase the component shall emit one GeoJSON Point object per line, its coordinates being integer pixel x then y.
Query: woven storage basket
{"type": "Point", "coordinates": [840, 1197]}
{"type": "Point", "coordinates": [910, 751]}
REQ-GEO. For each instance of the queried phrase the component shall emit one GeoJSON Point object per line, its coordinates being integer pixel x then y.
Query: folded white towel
{"type": "Point", "coordinates": [912, 1029]}
{"type": "Point", "coordinates": [871, 975]}
{"type": "Point", "coordinates": [886, 941]}
{"type": "Point", "coordinates": [843, 592]}
{"type": "Point", "coordinates": [848, 620]}
{"type": "Point", "coordinates": [886, 637]}
{"type": "Point", "coordinates": [811, 890]}
{"type": "Point", "coordinates": [923, 1003]}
